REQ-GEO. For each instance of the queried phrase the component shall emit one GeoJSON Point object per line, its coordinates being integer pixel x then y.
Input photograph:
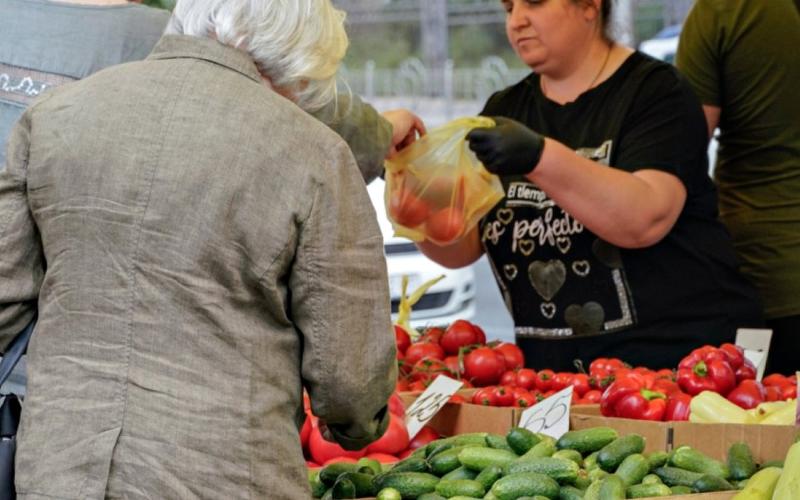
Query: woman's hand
{"type": "Point", "coordinates": [509, 148]}
{"type": "Point", "coordinates": [406, 128]}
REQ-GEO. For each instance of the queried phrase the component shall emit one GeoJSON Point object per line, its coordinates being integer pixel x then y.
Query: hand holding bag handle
{"type": "Point", "coordinates": [9, 412]}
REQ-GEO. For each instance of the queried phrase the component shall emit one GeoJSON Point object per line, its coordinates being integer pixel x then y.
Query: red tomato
{"type": "Point", "coordinates": [423, 437]}
{"type": "Point", "coordinates": [394, 440]}
{"type": "Point", "coordinates": [383, 458]}
{"type": "Point", "coordinates": [418, 385]}
{"type": "Point", "coordinates": [445, 225]}
{"type": "Point", "coordinates": [428, 369]}
{"type": "Point", "coordinates": [484, 366]}
{"type": "Point", "coordinates": [459, 334]}
{"type": "Point", "coordinates": [406, 209]}
{"type": "Point", "coordinates": [512, 355]}
{"type": "Point", "coordinates": [484, 397]}
{"type": "Point", "coordinates": [396, 405]}
{"type": "Point", "coordinates": [401, 385]}
{"type": "Point", "coordinates": [457, 399]}
{"type": "Point", "coordinates": [481, 334]}
{"type": "Point", "coordinates": [453, 365]}
{"type": "Point", "coordinates": [580, 381]}
{"type": "Point", "coordinates": [523, 398]}
{"type": "Point", "coordinates": [433, 334]}
{"type": "Point", "coordinates": [544, 379]}
{"type": "Point", "coordinates": [405, 454]}
{"type": "Point", "coordinates": [504, 396]}
{"type": "Point", "coordinates": [561, 381]}
{"type": "Point", "coordinates": [401, 338]}
{"type": "Point", "coordinates": [423, 350]}
{"type": "Point", "coordinates": [526, 378]}
{"type": "Point", "coordinates": [593, 396]}
{"type": "Point", "coordinates": [509, 378]}
{"type": "Point", "coordinates": [312, 465]}
{"type": "Point", "coordinates": [337, 460]}
{"type": "Point", "coordinates": [322, 451]}
{"type": "Point", "coordinates": [305, 431]}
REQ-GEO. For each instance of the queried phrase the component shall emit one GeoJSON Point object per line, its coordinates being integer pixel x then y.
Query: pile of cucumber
{"type": "Point", "coordinates": [589, 464]}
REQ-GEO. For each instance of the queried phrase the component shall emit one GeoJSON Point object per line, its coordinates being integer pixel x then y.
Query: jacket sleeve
{"type": "Point", "coordinates": [367, 133]}
{"type": "Point", "coordinates": [340, 303]}
{"type": "Point", "coordinates": [21, 260]}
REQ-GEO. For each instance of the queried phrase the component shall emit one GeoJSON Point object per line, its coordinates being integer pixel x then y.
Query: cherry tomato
{"type": "Point", "coordinates": [580, 382]}
{"type": "Point", "coordinates": [401, 385]}
{"type": "Point", "coordinates": [544, 379]}
{"type": "Point", "coordinates": [322, 450]}
{"type": "Point", "coordinates": [394, 440]}
{"type": "Point", "coordinates": [423, 437]}
{"type": "Point", "coordinates": [457, 399]}
{"type": "Point", "coordinates": [593, 396]}
{"type": "Point", "coordinates": [509, 378]}
{"type": "Point", "coordinates": [453, 365]}
{"type": "Point", "coordinates": [418, 385]}
{"type": "Point", "coordinates": [401, 338]}
{"type": "Point", "coordinates": [432, 334]}
{"type": "Point", "coordinates": [561, 380]}
{"type": "Point", "coordinates": [526, 378]}
{"type": "Point", "coordinates": [483, 366]}
{"type": "Point", "coordinates": [406, 209]}
{"type": "Point", "coordinates": [445, 225]}
{"type": "Point", "coordinates": [428, 369]}
{"type": "Point", "coordinates": [396, 405]}
{"type": "Point", "coordinates": [423, 350]}
{"type": "Point", "coordinates": [504, 396]}
{"type": "Point", "coordinates": [512, 355]}
{"type": "Point", "coordinates": [484, 397]}
{"type": "Point", "coordinates": [481, 334]}
{"type": "Point", "coordinates": [460, 333]}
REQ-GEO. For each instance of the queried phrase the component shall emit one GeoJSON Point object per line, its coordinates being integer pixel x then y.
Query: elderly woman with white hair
{"type": "Point", "coordinates": [199, 249]}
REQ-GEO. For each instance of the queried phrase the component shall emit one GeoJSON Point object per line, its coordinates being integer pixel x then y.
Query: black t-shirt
{"type": "Point", "coordinates": [573, 295]}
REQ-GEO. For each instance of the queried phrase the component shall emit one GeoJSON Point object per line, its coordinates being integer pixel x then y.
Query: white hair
{"type": "Point", "coordinates": [297, 44]}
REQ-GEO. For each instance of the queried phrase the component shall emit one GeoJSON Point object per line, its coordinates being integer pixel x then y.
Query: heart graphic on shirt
{"type": "Point", "coordinates": [511, 271]}
{"type": "Point", "coordinates": [585, 319]}
{"type": "Point", "coordinates": [527, 247]}
{"type": "Point", "coordinates": [547, 277]}
{"type": "Point", "coordinates": [564, 244]}
{"type": "Point", "coordinates": [581, 268]}
{"type": "Point", "coordinates": [505, 215]}
{"type": "Point", "coordinates": [548, 309]}
{"type": "Point", "coordinates": [607, 253]}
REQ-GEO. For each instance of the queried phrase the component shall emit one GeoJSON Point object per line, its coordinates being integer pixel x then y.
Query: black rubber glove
{"type": "Point", "coordinates": [509, 148]}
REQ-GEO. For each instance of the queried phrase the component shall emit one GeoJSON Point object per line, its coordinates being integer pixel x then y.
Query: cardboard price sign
{"type": "Point", "coordinates": [428, 404]}
{"type": "Point", "coordinates": [755, 343]}
{"type": "Point", "coordinates": [550, 416]}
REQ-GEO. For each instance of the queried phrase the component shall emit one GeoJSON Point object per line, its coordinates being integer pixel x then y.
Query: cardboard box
{"type": "Point", "coordinates": [463, 418]}
{"type": "Point", "coordinates": [656, 434]}
{"type": "Point", "coordinates": [768, 442]}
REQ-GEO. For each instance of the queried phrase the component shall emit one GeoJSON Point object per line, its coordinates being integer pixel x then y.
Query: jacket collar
{"type": "Point", "coordinates": [183, 46]}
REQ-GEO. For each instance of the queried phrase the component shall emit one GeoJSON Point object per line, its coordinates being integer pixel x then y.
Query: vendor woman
{"type": "Point", "coordinates": [607, 242]}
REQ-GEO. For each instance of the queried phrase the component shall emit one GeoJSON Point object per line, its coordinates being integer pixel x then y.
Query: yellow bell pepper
{"type": "Point", "coordinates": [710, 407]}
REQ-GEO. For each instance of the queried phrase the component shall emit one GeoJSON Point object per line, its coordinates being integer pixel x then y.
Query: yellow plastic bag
{"type": "Point", "coordinates": [436, 189]}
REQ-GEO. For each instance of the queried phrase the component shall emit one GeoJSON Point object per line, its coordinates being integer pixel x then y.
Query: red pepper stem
{"type": "Point", "coordinates": [651, 395]}
{"type": "Point", "coordinates": [700, 369]}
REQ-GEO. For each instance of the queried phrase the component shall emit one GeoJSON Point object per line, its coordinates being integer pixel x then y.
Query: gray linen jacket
{"type": "Point", "coordinates": [198, 249]}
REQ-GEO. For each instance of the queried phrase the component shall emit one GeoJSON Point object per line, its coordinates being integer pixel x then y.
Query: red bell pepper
{"type": "Point", "coordinates": [678, 406]}
{"type": "Point", "coordinates": [735, 355]}
{"type": "Point", "coordinates": [773, 393]}
{"type": "Point", "coordinates": [706, 369]}
{"type": "Point", "coordinates": [748, 394]}
{"type": "Point", "coordinates": [629, 398]}
{"type": "Point", "coordinates": [746, 372]}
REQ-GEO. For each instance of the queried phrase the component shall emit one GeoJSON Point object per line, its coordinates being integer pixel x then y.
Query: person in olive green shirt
{"type": "Point", "coordinates": [742, 59]}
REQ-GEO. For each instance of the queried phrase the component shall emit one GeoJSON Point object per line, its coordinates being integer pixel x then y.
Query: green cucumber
{"type": "Point", "coordinates": [590, 462]}
{"type": "Point", "coordinates": [489, 475]}
{"type": "Point", "coordinates": [435, 447]}
{"type": "Point", "coordinates": [545, 448]}
{"type": "Point", "coordinates": [681, 490]}
{"type": "Point", "coordinates": [648, 490]}
{"type": "Point", "coordinates": [446, 461]}
{"type": "Point", "coordinates": [480, 458]}
{"type": "Point", "coordinates": [673, 476]}
{"type": "Point", "coordinates": [593, 491]}
{"type": "Point", "coordinates": [772, 463]}
{"type": "Point", "coordinates": [570, 493]}
{"type": "Point", "coordinates": [651, 479]}
{"type": "Point", "coordinates": [460, 473]}
{"type": "Point", "coordinates": [330, 473]}
{"type": "Point", "coordinates": [318, 488]}
{"type": "Point", "coordinates": [612, 454]}
{"type": "Point", "coordinates": [513, 486]}
{"type": "Point", "coordinates": [740, 461]}
{"type": "Point", "coordinates": [521, 440]}
{"type": "Point", "coordinates": [409, 484]}
{"type": "Point", "coordinates": [431, 496]}
{"type": "Point", "coordinates": [612, 488]}
{"type": "Point", "coordinates": [597, 474]}
{"type": "Point", "coordinates": [392, 494]}
{"type": "Point", "coordinates": [562, 470]}
{"type": "Point", "coordinates": [633, 469]}
{"type": "Point", "coordinates": [369, 466]}
{"type": "Point", "coordinates": [497, 442]}
{"type": "Point", "coordinates": [410, 464]}
{"type": "Point", "coordinates": [460, 487]}
{"type": "Point", "coordinates": [688, 458]}
{"type": "Point", "coordinates": [363, 483]}
{"type": "Point", "coordinates": [470, 439]}
{"type": "Point", "coordinates": [587, 440]}
{"type": "Point", "coordinates": [582, 481]}
{"type": "Point", "coordinates": [711, 482]}
{"type": "Point", "coordinates": [343, 488]}
{"type": "Point", "coordinates": [657, 459]}
{"type": "Point", "coordinates": [573, 455]}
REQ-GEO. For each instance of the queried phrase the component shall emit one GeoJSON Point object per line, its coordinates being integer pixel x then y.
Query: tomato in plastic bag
{"type": "Point", "coordinates": [436, 189]}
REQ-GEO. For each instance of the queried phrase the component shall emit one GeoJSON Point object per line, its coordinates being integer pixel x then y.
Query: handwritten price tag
{"type": "Point", "coordinates": [755, 343]}
{"type": "Point", "coordinates": [429, 403]}
{"type": "Point", "coordinates": [549, 417]}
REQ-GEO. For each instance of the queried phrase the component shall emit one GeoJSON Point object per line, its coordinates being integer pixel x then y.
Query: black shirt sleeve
{"type": "Point", "coordinates": [665, 127]}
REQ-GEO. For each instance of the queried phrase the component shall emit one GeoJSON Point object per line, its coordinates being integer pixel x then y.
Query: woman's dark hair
{"type": "Point", "coordinates": [605, 17]}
